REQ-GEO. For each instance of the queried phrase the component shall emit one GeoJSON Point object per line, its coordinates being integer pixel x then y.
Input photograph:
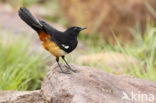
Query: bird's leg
{"type": "Point", "coordinates": [57, 60]}
{"type": "Point", "coordinates": [68, 66]}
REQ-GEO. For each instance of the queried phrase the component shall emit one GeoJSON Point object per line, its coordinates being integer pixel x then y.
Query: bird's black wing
{"type": "Point", "coordinates": [65, 42]}
{"type": "Point", "coordinates": [59, 37]}
{"type": "Point", "coordinates": [49, 30]}
{"type": "Point", "coordinates": [56, 35]}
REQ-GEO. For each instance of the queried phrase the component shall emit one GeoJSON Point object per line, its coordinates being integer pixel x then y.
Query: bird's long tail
{"type": "Point", "coordinates": [27, 17]}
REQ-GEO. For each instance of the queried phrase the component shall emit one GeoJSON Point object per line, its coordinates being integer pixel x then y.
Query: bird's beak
{"type": "Point", "coordinates": [83, 28]}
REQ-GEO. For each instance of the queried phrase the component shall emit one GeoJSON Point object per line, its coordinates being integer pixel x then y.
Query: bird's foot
{"type": "Point", "coordinates": [68, 67]}
{"type": "Point", "coordinates": [64, 72]}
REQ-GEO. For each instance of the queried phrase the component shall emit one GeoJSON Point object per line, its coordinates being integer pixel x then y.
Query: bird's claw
{"type": "Point", "coordinates": [64, 72]}
{"type": "Point", "coordinates": [68, 67]}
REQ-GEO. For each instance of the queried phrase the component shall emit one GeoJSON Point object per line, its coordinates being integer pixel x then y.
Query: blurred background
{"type": "Point", "coordinates": [120, 38]}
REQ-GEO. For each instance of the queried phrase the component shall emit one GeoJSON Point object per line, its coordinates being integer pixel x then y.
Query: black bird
{"type": "Point", "coordinates": [58, 43]}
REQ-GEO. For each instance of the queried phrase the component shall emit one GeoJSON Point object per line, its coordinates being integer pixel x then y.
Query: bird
{"type": "Point", "coordinates": [58, 43]}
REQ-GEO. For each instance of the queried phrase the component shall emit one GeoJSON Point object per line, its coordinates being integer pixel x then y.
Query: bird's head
{"type": "Point", "coordinates": [74, 30]}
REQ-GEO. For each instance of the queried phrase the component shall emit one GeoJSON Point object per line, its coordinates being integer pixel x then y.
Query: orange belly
{"type": "Point", "coordinates": [50, 45]}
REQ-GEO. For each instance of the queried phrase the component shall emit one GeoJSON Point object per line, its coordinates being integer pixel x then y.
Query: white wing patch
{"type": "Point", "coordinates": [65, 46]}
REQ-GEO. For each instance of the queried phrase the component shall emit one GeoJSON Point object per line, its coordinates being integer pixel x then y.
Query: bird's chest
{"type": "Point", "coordinates": [53, 48]}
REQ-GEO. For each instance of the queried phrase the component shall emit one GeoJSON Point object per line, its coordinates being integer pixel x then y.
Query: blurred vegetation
{"type": "Point", "coordinates": [20, 69]}
{"type": "Point", "coordinates": [143, 48]}
{"type": "Point", "coordinates": [16, 3]}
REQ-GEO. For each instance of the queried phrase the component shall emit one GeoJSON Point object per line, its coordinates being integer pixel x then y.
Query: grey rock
{"type": "Point", "coordinates": [21, 97]}
{"type": "Point", "coordinates": [90, 85]}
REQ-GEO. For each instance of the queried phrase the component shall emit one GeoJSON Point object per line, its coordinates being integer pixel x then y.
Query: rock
{"type": "Point", "coordinates": [105, 16]}
{"type": "Point", "coordinates": [21, 97]}
{"type": "Point", "coordinates": [112, 60]}
{"type": "Point", "coordinates": [90, 85]}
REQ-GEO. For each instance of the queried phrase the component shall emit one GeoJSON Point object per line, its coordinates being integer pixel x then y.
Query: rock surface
{"type": "Point", "coordinates": [21, 97]}
{"type": "Point", "coordinates": [91, 85]}
{"type": "Point", "coordinates": [88, 85]}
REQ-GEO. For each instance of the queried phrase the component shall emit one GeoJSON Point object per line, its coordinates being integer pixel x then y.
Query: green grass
{"type": "Point", "coordinates": [29, 2]}
{"type": "Point", "coordinates": [143, 48]}
{"type": "Point", "coordinates": [95, 43]}
{"type": "Point", "coordinates": [20, 69]}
